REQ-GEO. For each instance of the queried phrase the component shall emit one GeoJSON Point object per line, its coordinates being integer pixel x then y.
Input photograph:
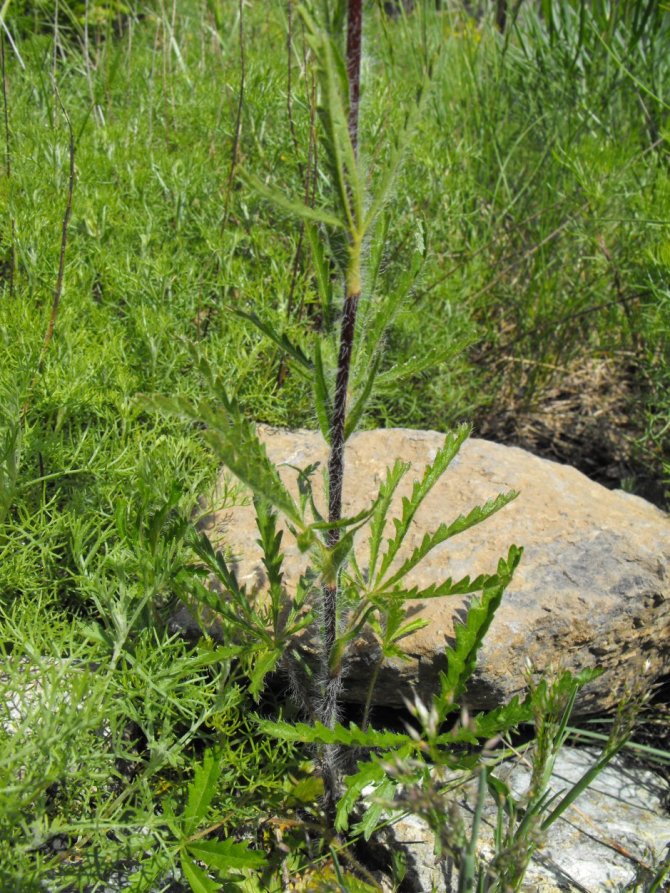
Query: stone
{"type": "Point", "coordinates": [592, 589]}
{"type": "Point", "coordinates": [615, 833]}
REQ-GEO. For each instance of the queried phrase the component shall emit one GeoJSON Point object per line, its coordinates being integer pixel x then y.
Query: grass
{"type": "Point", "coordinates": [541, 194]}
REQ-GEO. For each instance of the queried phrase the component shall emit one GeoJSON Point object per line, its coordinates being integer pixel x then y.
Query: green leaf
{"type": "Point", "coordinates": [384, 793]}
{"type": "Point", "coordinates": [233, 438]}
{"type": "Point", "coordinates": [380, 312]}
{"type": "Point", "coordinates": [369, 773]}
{"type": "Point", "coordinates": [322, 270]}
{"type": "Point", "coordinates": [322, 402]}
{"type": "Point", "coordinates": [396, 629]}
{"type": "Point", "coordinates": [201, 790]}
{"type": "Point", "coordinates": [432, 473]}
{"type": "Point", "coordinates": [340, 155]}
{"type": "Point", "coordinates": [270, 543]}
{"type": "Point", "coordinates": [355, 413]}
{"type": "Point", "coordinates": [462, 657]}
{"type": "Point", "coordinates": [149, 874]}
{"type": "Point", "coordinates": [331, 560]}
{"type": "Point", "coordinates": [296, 208]}
{"type": "Point", "coordinates": [264, 664]}
{"type": "Point", "coordinates": [318, 733]}
{"type": "Point", "coordinates": [502, 719]}
{"type": "Point", "coordinates": [447, 531]}
{"type": "Point", "coordinates": [391, 169]}
{"type": "Point", "coordinates": [216, 563]}
{"type": "Point", "coordinates": [196, 877]}
{"type": "Point", "coordinates": [416, 365]}
{"type": "Point", "coordinates": [378, 243]}
{"type": "Point", "coordinates": [226, 855]}
{"type": "Point", "coordinates": [362, 516]}
{"type": "Point", "coordinates": [464, 586]}
{"type": "Point", "coordinates": [393, 477]}
{"type": "Point", "coordinates": [305, 365]}
{"type": "Point", "coordinates": [306, 791]}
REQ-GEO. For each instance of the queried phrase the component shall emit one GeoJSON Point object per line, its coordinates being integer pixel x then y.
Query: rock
{"type": "Point", "coordinates": [593, 587]}
{"type": "Point", "coordinates": [616, 832]}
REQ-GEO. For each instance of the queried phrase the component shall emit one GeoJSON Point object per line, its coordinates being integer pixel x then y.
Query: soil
{"type": "Point", "coordinates": [588, 414]}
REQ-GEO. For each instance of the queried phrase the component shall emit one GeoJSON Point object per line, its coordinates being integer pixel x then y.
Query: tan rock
{"type": "Point", "coordinates": [593, 587]}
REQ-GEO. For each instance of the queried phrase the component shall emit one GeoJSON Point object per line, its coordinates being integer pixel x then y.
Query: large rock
{"type": "Point", "coordinates": [593, 587]}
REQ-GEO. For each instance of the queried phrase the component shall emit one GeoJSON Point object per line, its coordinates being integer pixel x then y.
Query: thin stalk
{"type": "Point", "coordinates": [8, 166]}
{"type": "Point", "coordinates": [354, 50]}
{"type": "Point", "coordinates": [370, 693]}
{"type": "Point", "coordinates": [238, 118]}
{"type": "Point", "coordinates": [289, 77]}
{"type": "Point", "coordinates": [58, 290]}
{"type": "Point", "coordinates": [305, 175]}
{"type": "Point", "coordinates": [332, 674]}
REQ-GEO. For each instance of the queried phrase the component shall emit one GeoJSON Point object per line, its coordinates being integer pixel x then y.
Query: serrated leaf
{"type": "Point", "coordinates": [148, 876]}
{"type": "Point", "coordinates": [318, 733]}
{"type": "Point", "coordinates": [233, 438]}
{"type": "Point", "coordinates": [322, 270]}
{"type": "Point", "coordinates": [215, 561]}
{"type": "Point", "coordinates": [417, 364]}
{"type": "Point", "coordinates": [464, 586]}
{"type": "Point", "coordinates": [307, 790]}
{"type": "Point", "coordinates": [392, 167]}
{"type": "Point", "coordinates": [503, 719]}
{"type": "Point", "coordinates": [373, 814]}
{"type": "Point", "coordinates": [447, 531]}
{"type": "Point", "coordinates": [468, 636]}
{"type": "Point", "coordinates": [393, 477]}
{"type": "Point", "coordinates": [272, 556]}
{"type": "Point", "coordinates": [337, 140]}
{"type": "Point", "coordinates": [370, 773]}
{"type": "Point", "coordinates": [215, 656]}
{"type": "Point", "coordinates": [196, 877]}
{"type": "Point", "coordinates": [432, 473]}
{"type": "Point", "coordinates": [226, 855]}
{"type": "Point", "coordinates": [201, 790]}
{"type": "Point", "coordinates": [263, 665]}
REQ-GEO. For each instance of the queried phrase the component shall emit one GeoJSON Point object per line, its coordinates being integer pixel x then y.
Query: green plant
{"type": "Point", "coordinates": [94, 492]}
{"type": "Point", "coordinates": [344, 596]}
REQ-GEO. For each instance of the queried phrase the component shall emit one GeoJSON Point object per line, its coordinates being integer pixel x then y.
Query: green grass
{"type": "Point", "coordinates": [541, 194]}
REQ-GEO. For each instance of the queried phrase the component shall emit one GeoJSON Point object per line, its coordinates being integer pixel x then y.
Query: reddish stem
{"type": "Point", "coordinates": [354, 50]}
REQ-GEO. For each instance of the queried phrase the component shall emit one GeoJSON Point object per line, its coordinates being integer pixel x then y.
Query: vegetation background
{"type": "Point", "coordinates": [536, 187]}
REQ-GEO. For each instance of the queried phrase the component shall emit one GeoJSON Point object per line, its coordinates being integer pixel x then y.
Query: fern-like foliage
{"type": "Point", "coordinates": [351, 736]}
{"type": "Point", "coordinates": [447, 531]}
{"type": "Point", "coordinates": [234, 440]}
{"type": "Point", "coordinates": [421, 489]}
{"type": "Point", "coordinates": [469, 635]}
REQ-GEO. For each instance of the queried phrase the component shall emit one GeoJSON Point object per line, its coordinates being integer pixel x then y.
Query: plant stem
{"type": "Point", "coordinates": [369, 696]}
{"type": "Point", "coordinates": [354, 48]}
{"type": "Point", "coordinates": [336, 459]}
{"type": "Point", "coordinates": [332, 675]}
{"type": "Point", "coordinates": [235, 151]}
{"type": "Point", "coordinates": [58, 291]}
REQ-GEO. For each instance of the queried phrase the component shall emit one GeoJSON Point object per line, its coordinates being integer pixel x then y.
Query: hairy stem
{"type": "Point", "coordinates": [332, 673]}
{"type": "Point", "coordinates": [354, 49]}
